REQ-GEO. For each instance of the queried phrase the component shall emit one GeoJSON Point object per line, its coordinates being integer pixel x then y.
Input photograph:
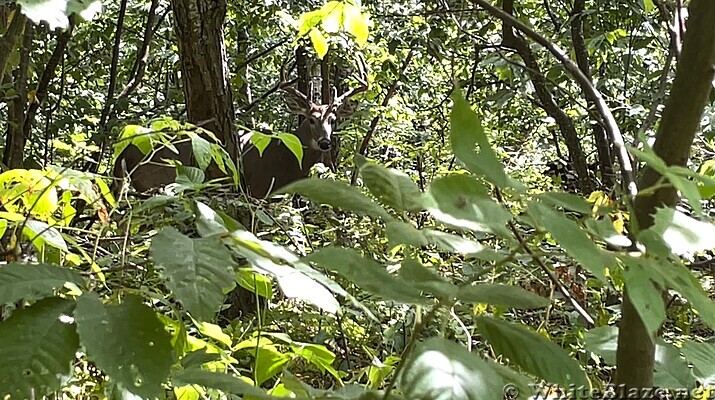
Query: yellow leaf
{"type": "Point", "coordinates": [356, 23]}
{"type": "Point", "coordinates": [319, 43]}
{"type": "Point", "coordinates": [334, 17]}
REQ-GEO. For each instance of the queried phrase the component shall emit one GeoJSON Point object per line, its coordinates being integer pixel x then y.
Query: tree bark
{"type": "Point", "coordinates": [202, 50]}
{"type": "Point", "coordinates": [603, 147]}
{"type": "Point", "coordinates": [681, 117]}
{"type": "Point", "coordinates": [565, 123]}
{"type": "Point", "coordinates": [14, 138]}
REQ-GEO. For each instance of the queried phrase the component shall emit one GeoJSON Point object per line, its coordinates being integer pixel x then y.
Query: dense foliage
{"type": "Point", "coordinates": [519, 205]}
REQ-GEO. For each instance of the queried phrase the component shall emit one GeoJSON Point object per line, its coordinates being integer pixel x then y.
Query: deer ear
{"type": "Point", "coordinates": [346, 109]}
{"type": "Point", "coordinates": [297, 104]}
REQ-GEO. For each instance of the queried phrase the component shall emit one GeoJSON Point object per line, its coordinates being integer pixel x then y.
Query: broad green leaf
{"type": "Point", "coordinates": [356, 23]}
{"type": "Point", "coordinates": [501, 295]}
{"type": "Point", "coordinates": [201, 150]}
{"type": "Point", "coordinates": [293, 144]}
{"type": "Point", "coordinates": [255, 283]}
{"type": "Point", "coordinates": [453, 243]}
{"type": "Point", "coordinates": [189, 177]}
{"type": "Point", "coordinates": [392, 187]}
{"type": "Point", "coordinates": [41, 233]}
{"type": "Point", "coordinates": [463, 202]}
{"type": "Point", "coordinates": [216, 380]}
{"type": "Point", "coordinates": [604, 230]}
{"type": "Point", "coordinates": [269, 362]}
{"type": "Point", "coordinates": [308, 20]}
{"type": "Point", "coordinates": [543, 359]}
{"type": "Point", "coordinates": [566, 200]}
{"type": "Point", "coordinates": [337, 194]}
{"type": "Point", "coordinates": [33, 281]}
{"type": "Point", "coordinates": [439, 369]}
{"type": "Point", "coordinates": [683, 234]}
{"type": "Point", "coordinates": [37, 349]}
{"type": "Point", "coordinates": [208, 222]}
{"type": "Point", "coordinates": [404, 233]}
{"type": "Point", "coordinates": [198, 271]}
{"type": "Point", "coordinates": [423, 278]}
{"type": "Point", "coordinates": [702, 356]}
{"type": "Point", "coordinates": [367, 274]}
{"type": "Point", "coordinates": [603, 341]}
{"type": "Point", "coordinates": [646, 298]}
{"type": "Point", "coordinates": [295, 279]}
{"type": "Point", "coordinates": [127, 341]}
{"type": "Point", "coordinates": [319, 42]}
{"type": "Point", "coordinates": [675, 276]}
{"type": "Point", "coordinates": [573, 239]}
{"type": "Point", "coordinates": [671, 371]}
{"type": "Point", "coordinates": [260, 140]}
{"type": "Point", "coordinates": [517, 385]}
{"type": "Point", "coordinates": [471, 146]}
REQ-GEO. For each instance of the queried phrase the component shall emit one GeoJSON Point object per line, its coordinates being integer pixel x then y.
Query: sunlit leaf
{"type": "Point", "coordinates": [320, 43]}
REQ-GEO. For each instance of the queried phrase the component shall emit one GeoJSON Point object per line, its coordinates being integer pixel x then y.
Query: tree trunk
{"type": "Point", "coordinates": [565, 123]}
{"type": "Point", "coordinates": [14, 138]}
{"type": "Point", "coordinates": [681, 118]}
{"type": "Point", "coordinates": [204, 69]}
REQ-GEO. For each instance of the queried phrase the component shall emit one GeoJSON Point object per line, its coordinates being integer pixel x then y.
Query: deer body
{"type": "Point", "coordinates": [261, 174]}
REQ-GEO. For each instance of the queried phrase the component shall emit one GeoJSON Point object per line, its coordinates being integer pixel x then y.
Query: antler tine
{"type": "Point", "coordinates": [362, 80]}
{"type": "Point", "coordinates": [287, 86]}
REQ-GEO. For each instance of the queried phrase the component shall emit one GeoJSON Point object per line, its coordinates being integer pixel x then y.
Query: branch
{"type": "Point", "coordinates": [611, 125]}
{"type": "Point", "coordinates": [373, 124]}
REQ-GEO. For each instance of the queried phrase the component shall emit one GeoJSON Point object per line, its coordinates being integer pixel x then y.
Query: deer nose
{"type": "Point", "coordinates": [324, 144]}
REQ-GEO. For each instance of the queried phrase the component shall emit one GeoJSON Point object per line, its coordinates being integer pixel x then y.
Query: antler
{"type": "Point", "coordinates": [287, 86]}
{"type": "Point", "coordinates": [362, 80]}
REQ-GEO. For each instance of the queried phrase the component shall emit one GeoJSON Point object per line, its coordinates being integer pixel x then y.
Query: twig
{"type": "Point", "coordinates": [610, 122]}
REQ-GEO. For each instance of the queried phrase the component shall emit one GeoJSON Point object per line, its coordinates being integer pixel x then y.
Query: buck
{"type": "Point", "coordinates": [261, 174]}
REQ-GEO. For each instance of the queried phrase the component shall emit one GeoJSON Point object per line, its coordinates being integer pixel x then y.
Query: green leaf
{"type": "Point", "coordinates": [201, 150]}
{"type": "Point", "coordinates": [260, 141]}
{"type": "Point", "coordinates": [544, 358]}
{"type": "Point", "coordinates": [671, 371]}
{"type": "Point", "coordinates": [603, 341]}
{"type": "Point", "coordinates": [269, 362]}
{"type": "Point", "coordinates": [216, 380]}
{"type": "Point", "coordinates": [127, 341]}
{"type": "Point", "coordinates": [319, 42]}
{"type": "Point", "coordinates": [573, 239]}
{"type": "Point", "coordinates": [467, 135]}
{"type": "Point", "coordinates": [439, 369]}
{"type": "Point", "coordinates": [208, 221]}
{"type": "Point", "coordinates": [198, 271]}
{"type": "Point", "coordinates": [392, 187]}
{"type": "Point", "coordinates": [679, 278]}
{"type": "Point", "coordinates": [255, 283]}
{"type": "Point", "coordinates": [41, 233]}
{"type": "Point", "coordinates": [404, 233]}
{"type": "Point", "coordinates": [337, 194]}
{"type": "Point", "coordinates": [463, 202]}
{"type": "Point", "coordinates": [453, 243]}
{"type": "Point", "coordinates": [37, 348]}
{"type": "Point", "coordinates": [294, 277]}
{"type": "Point", "coordinates": [367, 274]}
{"type": "Point", "coordinates": [33, 281]}
{"type": "Point", "coordinates": [566, 200]}
{"type": "Point", "coordinates": [501, 295]}
{"type": "Point", "coordinates": [293, 144]}
{"type": "Point", "coordinates": [423, 278]}
{"type": "Point", "coordinates": [646, 298]}
{"type": "Point", "coordinates": [702, 356]}
{"type": "Point", "coordinates": [681, 233]}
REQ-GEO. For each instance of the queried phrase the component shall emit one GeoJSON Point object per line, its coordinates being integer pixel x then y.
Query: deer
{"type": "Point", "coordinates": [262, 174]}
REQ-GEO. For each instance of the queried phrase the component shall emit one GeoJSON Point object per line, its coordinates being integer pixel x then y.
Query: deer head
{"type": "Point", "coordinates": [278, 166]}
